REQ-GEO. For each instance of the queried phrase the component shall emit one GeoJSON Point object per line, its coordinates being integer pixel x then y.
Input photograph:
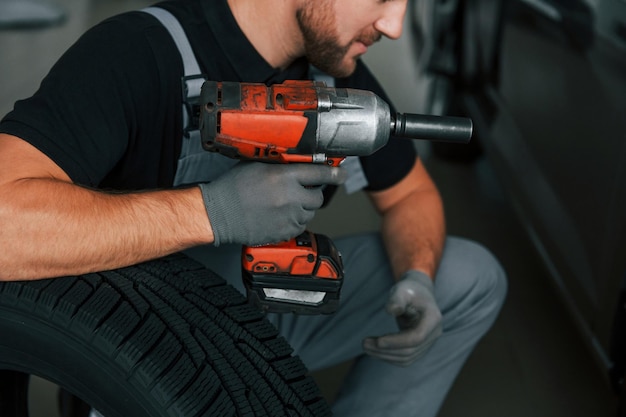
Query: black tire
{"type": "Point", "coordinates": [163, 338]}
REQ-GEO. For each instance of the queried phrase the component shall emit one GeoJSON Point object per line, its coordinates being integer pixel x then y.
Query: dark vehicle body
{"type": "Point", "coordinates": [545, 84]}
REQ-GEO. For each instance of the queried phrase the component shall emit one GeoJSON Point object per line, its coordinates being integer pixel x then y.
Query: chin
{"type": "Point", "coordinates": [346, 68]}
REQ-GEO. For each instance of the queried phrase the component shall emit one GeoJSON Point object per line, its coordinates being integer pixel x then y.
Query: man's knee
{"type": "Point", "coordinates": [471, 279]}
{"type": "Point", "coordinates": [491, 282]}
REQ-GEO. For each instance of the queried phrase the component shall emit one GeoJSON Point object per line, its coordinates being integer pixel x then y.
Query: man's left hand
{"type": "Point", "coordinates": [412, 302]}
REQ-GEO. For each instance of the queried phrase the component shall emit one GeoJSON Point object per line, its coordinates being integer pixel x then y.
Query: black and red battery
{"type": "Point", "coordinates": [303, 275]}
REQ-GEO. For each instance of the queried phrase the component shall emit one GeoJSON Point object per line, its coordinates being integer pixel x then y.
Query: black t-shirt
{"type": "Point", "coordinates": [109, 113]}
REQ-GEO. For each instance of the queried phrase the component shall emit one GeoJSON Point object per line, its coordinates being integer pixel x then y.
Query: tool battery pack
{"type": "Point", "coordinates": [303, 275]}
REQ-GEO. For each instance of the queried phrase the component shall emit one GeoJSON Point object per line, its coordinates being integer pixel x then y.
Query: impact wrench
{"type": "Point", "coordinates": [305, 122]}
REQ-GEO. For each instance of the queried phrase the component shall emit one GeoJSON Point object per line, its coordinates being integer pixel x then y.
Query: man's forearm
{"type": "Point", "coordinates": [414, 234]}
{"type": "Point", "coordinates": [413, 226]}
{"type": "Point", "coordinates": [54, 228]}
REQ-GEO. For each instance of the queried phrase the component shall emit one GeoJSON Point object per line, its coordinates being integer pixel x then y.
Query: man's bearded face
{"type": "Point", "coordinates": [323, 47]}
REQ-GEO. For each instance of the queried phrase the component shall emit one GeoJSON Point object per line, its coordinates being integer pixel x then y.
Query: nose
{"type": "Point", "coordinates": [391, 22]}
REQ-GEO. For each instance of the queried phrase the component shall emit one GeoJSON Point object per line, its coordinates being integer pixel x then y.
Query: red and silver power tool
{"type": "Point", "coordinates": [305, 122]}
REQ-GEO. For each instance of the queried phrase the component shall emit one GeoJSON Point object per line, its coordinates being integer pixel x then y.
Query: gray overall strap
{"type": "Point", "coordinates": [192, 80]}
{"type": "Point", "coordinates": [194, 164]}
{"type": "Point", "coordinates": [178, 34]}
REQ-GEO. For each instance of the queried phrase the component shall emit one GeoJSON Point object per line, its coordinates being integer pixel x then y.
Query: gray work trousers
{"type": "Point", "coordinates": [470, 287]}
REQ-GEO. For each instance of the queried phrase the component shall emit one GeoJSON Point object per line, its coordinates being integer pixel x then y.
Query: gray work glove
{"type": "Point", "coordinates": [256, 203]}
{"type": "Point", "coordinates": [412, 302]}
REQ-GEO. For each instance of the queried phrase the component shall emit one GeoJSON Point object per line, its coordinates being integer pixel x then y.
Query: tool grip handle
{"type": "Point", "coordinates": [433, 128]}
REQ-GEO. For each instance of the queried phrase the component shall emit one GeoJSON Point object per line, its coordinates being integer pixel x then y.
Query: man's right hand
{"type": "Point", "coordinates": [256, 203]}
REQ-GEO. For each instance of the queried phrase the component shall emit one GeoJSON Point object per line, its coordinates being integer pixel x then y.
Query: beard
{"type": "Point", "coordinates": [321, 40]}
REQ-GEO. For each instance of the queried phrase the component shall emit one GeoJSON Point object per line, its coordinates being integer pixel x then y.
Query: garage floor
{"type": "Point", "coordinates": [532, 363]}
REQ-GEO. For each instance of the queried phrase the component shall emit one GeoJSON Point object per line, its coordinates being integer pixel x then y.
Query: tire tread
{"type": "Point", "coordinates": [177, 333]}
